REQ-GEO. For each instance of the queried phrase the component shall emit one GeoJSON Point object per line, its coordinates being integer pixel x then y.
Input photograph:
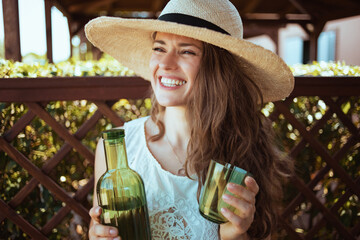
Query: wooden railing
{"type": "Point", "coordinates": [105, 91]}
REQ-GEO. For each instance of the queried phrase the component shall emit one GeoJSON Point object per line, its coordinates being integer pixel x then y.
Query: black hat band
{"type": "Point", "coordinates": [191, 21]}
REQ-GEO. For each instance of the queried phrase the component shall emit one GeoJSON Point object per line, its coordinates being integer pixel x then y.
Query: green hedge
{"type": "Point", "coordinates": [39, 143]}
{"type": "Point", "coordinates": [107, 66]}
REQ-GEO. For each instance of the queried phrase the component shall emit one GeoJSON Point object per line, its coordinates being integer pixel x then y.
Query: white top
{"type": "Point", "coordinates": [172, 203]}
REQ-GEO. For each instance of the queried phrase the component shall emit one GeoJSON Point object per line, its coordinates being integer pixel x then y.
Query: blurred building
{"type": "Point", "coordinates": [339, 41]}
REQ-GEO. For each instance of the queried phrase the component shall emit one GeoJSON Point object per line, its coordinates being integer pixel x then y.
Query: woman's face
{"type": "Point", "coordinates": [174, 65]}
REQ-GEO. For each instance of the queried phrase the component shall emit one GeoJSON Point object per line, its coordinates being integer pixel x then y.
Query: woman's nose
{"type": "Point", "coordinates": [168, 61]}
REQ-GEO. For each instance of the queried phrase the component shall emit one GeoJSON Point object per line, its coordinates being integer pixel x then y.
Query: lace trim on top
{"type": "Point", "coordinates": [172, 204]}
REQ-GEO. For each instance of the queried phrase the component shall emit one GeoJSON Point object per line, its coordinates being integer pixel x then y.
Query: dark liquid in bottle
{"type": "Point", "coordinates": [132, 223]}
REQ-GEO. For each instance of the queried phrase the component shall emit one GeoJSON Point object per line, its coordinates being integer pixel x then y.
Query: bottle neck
{"type": "Point", "coordinates": [115, 153]}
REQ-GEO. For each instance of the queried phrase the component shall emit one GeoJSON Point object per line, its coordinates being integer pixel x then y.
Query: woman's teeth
{"type": "Point", "coordinates": [167, 82]}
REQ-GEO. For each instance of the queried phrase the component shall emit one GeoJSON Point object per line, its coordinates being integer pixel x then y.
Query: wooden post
{"type": "Point", "coordinates": [313, 31]}
{"type": "Point", "coordinates": [274, 35]}
{"type": "Point", "coordinates": [71, 36]}
{"type": "Point", "coordinates": [83, 40]}
{"type": "Point", "coordinates": [49, 52]}
{"type": "Point", "coordinates": [314, 36]}
{"type": "Point", "coordinates": [96, 53]}
{"type": "Point", "coordinates": [11, 29]}
{"type": "Point", "coordinates": [313, 46]}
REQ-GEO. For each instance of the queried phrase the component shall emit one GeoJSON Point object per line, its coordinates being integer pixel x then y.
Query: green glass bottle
{"type": "Point", "coordinates": [121, 191]}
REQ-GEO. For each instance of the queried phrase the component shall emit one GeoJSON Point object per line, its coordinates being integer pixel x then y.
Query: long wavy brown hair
{"type": "Point", "coordinates": [226, 124]}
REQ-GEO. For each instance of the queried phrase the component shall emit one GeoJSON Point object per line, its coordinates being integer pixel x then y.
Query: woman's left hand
{"type": "Point", "coordinates": [244, 201]}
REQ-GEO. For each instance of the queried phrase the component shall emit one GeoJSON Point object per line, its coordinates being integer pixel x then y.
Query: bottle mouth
{"type": "Point", "coordinates": [113, 134]}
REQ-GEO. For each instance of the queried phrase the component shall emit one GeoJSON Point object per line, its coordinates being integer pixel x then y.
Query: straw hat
{"type": "Point", "coordinates": [213, 21]}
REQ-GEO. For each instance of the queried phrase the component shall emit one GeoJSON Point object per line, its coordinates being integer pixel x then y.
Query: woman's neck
{"type": "Point", "coordinates": [176, 126]}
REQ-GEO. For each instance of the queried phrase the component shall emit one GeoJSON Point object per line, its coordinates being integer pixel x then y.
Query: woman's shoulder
{"type": "Point", "coordinates": [134, 127]}
{"type": "Point", "coordinates": [135, 124]}
{"type": "Point", "coordinates": [135, 138]}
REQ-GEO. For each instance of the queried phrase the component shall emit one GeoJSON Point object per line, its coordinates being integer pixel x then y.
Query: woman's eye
{"type": "Point", "coordinates": [188, 52]}
{"type": "Point", "coordinates": [157, 49]}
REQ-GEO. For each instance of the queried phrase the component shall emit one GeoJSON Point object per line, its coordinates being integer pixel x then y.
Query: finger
{"type": "Point", "coordinates": [242, 192]}
{"type": "Point", "coordinates": [245, 208]}
{"type": "Point", "coordinates": [105, 231]}
{"type": "Point", "coordinates": [234, 219]}
{"type": "Point", "coordinates": [95, 213]}
{"type": "Point", "coordinates": [93, 235]}
{"type": "Point", "coordinates": [251, 184]}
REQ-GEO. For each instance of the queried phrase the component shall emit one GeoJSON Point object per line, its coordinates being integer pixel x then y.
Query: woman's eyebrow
{"type": "Point", "coordinates": [180, 44]}
{"type": "Point", "coordinates": [160, 42]}
{"type": "Point", "coordinates": [189, 45]}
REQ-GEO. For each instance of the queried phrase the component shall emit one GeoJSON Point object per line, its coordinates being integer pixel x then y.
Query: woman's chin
{"type": "Point", "coordinates": [166, 103]}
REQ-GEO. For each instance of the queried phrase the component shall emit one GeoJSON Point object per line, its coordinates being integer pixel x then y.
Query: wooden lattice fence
{"type": "Point", "coordinates": [305, 128]}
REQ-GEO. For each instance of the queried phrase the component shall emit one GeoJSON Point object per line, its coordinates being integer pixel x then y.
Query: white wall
{"type": "Point", "coordinates": [347, 39]}
{"type": "Point", "coordinates": [288, 36]}
{"type": "Point", "coordinates": [264, 41]}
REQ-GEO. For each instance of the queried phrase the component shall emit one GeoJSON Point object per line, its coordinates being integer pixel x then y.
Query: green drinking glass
{"type": "Point", "coordinates": [218, 176]}
{"type": "Point", "coordinates": [121, 191]}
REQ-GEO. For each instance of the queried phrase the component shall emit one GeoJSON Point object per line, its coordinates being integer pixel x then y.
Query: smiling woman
{"type": "Point", "coordinates": [208, 86]}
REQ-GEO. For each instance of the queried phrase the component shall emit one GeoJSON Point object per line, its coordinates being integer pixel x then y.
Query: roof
{"type": "Point", "coordinates": [255, 13]}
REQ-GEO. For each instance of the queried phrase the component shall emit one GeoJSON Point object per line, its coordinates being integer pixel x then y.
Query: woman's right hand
{"type": "Point", "coordinates": [99, 231]}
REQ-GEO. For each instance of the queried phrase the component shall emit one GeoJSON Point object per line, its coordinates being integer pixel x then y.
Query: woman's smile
{"type": "Point", "coordinates": [171, 83]}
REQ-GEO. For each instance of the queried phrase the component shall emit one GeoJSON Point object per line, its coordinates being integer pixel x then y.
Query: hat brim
{"type": "Point", "coordinates": [130, 42]}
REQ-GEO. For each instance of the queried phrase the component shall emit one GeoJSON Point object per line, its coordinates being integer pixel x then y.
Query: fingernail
{"type": "Point", "coordinates": [113, 232]}
{"type": "Point", "coordinates": [117, 238]}
{"type": "Point", "coordinates": [231, 185]}
{"type": "Point", "coordinates": [226, 197]}
{"type": "Point", "coordinates": [97, 210]}
{"type": "Point", "coordinates": [223, 210]}
{"type": "Point", "coordinates": [248, 179]}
